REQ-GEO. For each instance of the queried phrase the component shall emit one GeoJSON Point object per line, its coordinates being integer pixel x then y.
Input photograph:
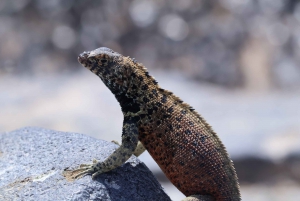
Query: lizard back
{"type": "Point", "coordinates": [187, 150]}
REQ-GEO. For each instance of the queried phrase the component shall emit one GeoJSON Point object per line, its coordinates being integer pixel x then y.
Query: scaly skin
{"type": "Point", "coordinates": [185, 147]}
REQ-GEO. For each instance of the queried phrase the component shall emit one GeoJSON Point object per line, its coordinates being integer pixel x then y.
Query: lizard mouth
{"type": "Point", "coordinates": [83, 58]}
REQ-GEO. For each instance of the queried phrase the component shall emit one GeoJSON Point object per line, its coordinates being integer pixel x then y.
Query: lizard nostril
{"type": "Point", "coordinates": [82, 58]}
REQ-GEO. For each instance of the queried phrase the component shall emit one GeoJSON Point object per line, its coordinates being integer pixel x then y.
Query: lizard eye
{"type": "Point", "coordinates": [104, 61]}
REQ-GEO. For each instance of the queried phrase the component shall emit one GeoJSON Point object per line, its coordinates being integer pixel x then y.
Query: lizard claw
{"type": "Point", "coordinates": [116, 142]}
{"type": "Point", "coordinates": [95, 175]}
{"type": "Point", "coordinates": [84, 169]}
{"type": "Point", "coordinates": [82, 172]}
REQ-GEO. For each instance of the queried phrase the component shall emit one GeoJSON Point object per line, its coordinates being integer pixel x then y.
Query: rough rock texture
{"type": "Point", "coordinates": [33, 160]}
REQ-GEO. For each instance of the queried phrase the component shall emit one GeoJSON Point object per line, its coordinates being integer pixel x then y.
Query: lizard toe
{"type": "Point", "coordinates": [96, 174]}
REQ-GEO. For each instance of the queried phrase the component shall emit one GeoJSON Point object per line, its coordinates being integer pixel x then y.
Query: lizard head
{"type": "Point", "coordinates": [99, 60]}
{"type": "Point", "coordinates": [124, 76]}
{"type": "Point", "coordinates": [108, 65]}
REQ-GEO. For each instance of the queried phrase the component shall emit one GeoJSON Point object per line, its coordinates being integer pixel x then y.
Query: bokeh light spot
{"type": "Point", "coordinates": [63, 37]}
{"type": "Point", "coordinates": [174, 27]}
{"type": "Point", "coordinates": [142, 12]}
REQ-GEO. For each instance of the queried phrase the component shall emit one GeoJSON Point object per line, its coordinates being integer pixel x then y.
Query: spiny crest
{"type": "Point", "coordinates": [140, 69]}
{"type": "Point", "coordinates": [194, 112]}
{"type": "Point", "coordinates": [186, 106]}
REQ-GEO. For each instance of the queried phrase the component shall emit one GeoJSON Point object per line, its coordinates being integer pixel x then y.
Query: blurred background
{"type": "Point", "coordinates": [236, 62]}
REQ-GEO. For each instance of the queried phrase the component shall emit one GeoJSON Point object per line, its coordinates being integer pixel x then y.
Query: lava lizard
{"type": "Point", "coordinates": [184, 146]}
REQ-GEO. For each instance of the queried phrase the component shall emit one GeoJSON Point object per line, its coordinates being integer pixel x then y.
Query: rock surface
{"type": "Point", "coordinates": [33, 160]}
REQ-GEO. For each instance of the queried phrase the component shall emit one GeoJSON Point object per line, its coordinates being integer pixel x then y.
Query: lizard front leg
{"type": "Point", "coordinates": [138, 150]}
{"type": "Point", "coordinates": [118, 157]}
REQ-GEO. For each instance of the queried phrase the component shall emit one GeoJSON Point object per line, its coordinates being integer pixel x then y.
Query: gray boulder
{"type": "Point", "coordinates": [33, 160]}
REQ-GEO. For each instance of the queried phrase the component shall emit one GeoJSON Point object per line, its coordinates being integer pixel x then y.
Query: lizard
{"type": "Point", "coordinates": [181, 142]}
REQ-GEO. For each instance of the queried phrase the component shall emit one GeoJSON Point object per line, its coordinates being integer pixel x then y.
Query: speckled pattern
{"type": "Point", "coordinates": [185, 147]}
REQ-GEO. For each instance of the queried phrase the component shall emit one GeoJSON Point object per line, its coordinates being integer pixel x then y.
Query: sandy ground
{"type": "Point", "coordinates": [261, 124]}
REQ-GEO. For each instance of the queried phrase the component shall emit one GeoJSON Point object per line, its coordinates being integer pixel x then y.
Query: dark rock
{"type": "Point", "coordinates": [33, 160]}
{"type": "Point", "coordinates": [256, 170]}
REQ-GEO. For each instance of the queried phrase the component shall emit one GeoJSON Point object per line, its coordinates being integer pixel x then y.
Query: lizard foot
{"type": "Point", "coordinates": [85, 169]}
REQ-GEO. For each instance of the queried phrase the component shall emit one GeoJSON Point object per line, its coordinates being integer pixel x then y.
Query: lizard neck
{"type": "Point", "coordinates": [140, 86]}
